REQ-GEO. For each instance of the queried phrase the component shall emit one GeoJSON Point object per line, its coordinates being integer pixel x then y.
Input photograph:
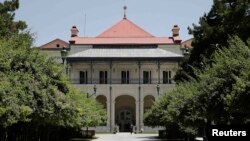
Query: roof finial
{"type": "Point", "coordinates": [125, 9]}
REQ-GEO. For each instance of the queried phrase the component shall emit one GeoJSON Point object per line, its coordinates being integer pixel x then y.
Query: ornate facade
{"type": "Point", "coordinates": [129, 67]}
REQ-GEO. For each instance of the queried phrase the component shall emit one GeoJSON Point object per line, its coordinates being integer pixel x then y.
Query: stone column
{"type": "Point", "coordinates": [139, 68]}
{"type": "Point", "coordinates": [112, 114]}
{"type": "Point", "coordinates": [112, 109]}
{"type": "Point", "coordinates": [141, 114]}
{"type": "Point", "coordinates": [110, 72]}
{"type": "Point", "coordinates": [91, 72]}
{"type": "Point", "coordinates": [137, 104]}
{"type": "Point", "coordinates": [112, 101]}
{"type": "Point", "coordinates": [108, 114]}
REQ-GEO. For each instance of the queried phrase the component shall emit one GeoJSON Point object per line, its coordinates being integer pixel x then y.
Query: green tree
{"type": "Point", "coordinates": [9, 27]}
{"type": "Point", "coordinates": [33, 96]}
{"type": "Point", "coordinates": [37, 100]}
{"type": "Point", "coordinates": [219, 95]}
{"type": "Point", "coordinates": [174, 109]}
{"type": "Point", "coordinates": [90, 112]}
{"type": "Point", "coordinates": [224, 91]}
{"type": "Point", "coordinates": [226, 18]}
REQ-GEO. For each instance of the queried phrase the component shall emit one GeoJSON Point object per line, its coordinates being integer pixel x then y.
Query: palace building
{"type": "Point", "coordinates": [129, 68]}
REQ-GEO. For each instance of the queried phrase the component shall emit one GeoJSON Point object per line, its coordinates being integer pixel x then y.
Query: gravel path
{"type": "Point", "coordinates": [126, 137]}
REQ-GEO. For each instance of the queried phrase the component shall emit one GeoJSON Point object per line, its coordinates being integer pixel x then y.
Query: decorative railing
{"type": "Point", "coordinates": [119, 81]}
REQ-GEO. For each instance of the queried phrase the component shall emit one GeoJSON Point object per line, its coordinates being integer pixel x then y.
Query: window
{"type": "Point", "coordinates": [146, 77]}
{"type": "Point", "coordinates": [125, 77]}
{"type": "Point", "coordinates": [103, 77]}
{"type": "Point", "coordinates": [83, 77]}
{"type": "Point", "coordinates": [167, 78]}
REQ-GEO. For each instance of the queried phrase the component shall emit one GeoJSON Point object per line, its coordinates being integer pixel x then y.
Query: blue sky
{"type": "Point", "coordinates": [51, 19]}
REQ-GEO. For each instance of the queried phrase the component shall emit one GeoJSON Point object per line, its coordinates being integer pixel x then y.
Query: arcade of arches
{"type": "Point", "coordinates": [125, 110]}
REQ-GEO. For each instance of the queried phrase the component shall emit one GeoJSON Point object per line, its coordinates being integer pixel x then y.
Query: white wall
{"type": "Point", "coordinates": [78, 48]}
{"type": "Point", "coordinates": [176, 48]}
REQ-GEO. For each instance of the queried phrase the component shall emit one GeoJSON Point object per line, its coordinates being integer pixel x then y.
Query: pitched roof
{"type": "Point", "coordinates": [55, 44]}
{"type": "Point", "coordinates": [125, 32]}
{"type": "Point", "coordinates": [125, 53]}
{"type": "Point", "coordinates": [125, 29]}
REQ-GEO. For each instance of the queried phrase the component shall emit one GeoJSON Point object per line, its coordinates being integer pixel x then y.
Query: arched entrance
{"type": "Point", "coordinates": [148, 102]}
{"type": "Point", "coordinates": [103, 101]}
{"type": "Point", "coordinates": [124, 112]}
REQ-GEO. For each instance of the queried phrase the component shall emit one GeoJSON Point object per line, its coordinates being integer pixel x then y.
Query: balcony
{"type": "Point", "coordinates": [119, 81]}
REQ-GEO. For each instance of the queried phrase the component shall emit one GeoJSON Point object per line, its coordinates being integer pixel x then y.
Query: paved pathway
{"type": "Point", "coordinates": [126, 137]}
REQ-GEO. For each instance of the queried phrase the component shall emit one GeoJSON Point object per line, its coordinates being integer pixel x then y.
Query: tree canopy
{"type": "Point", "coordinates": [34, 88]}
{"type": "Point", "coordinates": [213, 79]}
{"type": "Point", "coordinates": [220, 95]}
{"type": "Point", "coordinates": [9, 27]}
{"type": "Point", "coordinates": [37, 100]}
{"type": "Point", "coordinates": [225, 19]}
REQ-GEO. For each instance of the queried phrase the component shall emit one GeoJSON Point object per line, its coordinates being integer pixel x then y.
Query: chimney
{"type": "Point", "coordinates": [74, 31]}
{"type": "Point", "coordinates": [175, 30]}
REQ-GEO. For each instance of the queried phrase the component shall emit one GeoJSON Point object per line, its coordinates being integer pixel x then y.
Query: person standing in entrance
{"type": "Point", "coordinates": [131, 128]}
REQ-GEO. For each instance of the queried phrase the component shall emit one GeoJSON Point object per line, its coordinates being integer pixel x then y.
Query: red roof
{"type": "Point", "coordinates": [125, 32]}
{"type": "Point", "coordinates": [125, 29]}
{"type": "Point", "coordinates": [146, 40]}
{"type": "Point", "coordinates": [55, 44]}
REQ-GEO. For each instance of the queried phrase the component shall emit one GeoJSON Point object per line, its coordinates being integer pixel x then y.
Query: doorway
{"type": "Point", "coordinates": [124, 112]}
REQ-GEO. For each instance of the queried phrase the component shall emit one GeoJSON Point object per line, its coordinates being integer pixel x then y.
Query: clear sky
{"type": "Point", "coordinates": [51, 19]}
